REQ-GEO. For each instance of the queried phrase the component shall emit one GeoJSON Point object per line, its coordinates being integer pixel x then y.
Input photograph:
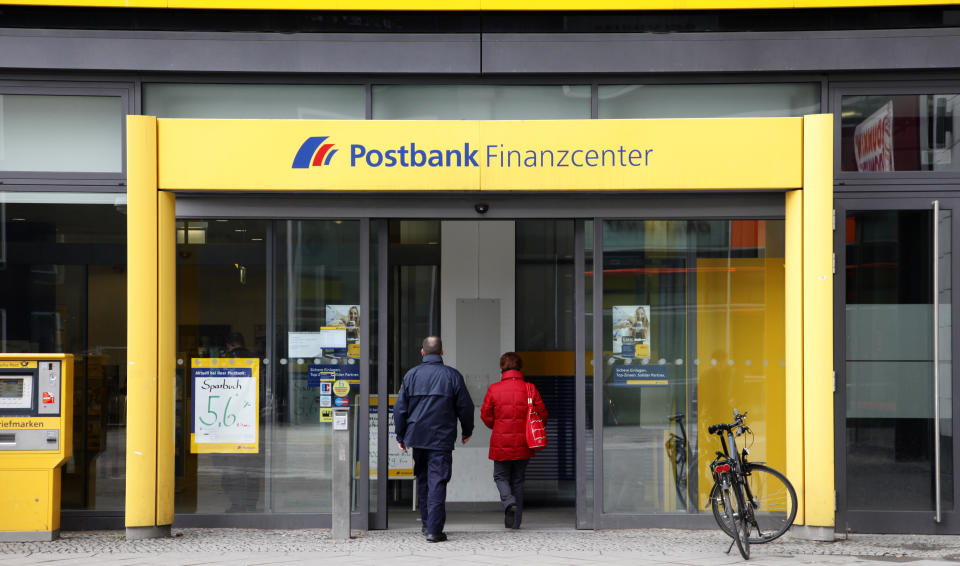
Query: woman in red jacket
{"type": "Point", "coordinates": [505, 411]}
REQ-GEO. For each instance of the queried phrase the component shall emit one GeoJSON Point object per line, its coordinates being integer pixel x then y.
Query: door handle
{"type": "Point", "coordinates": [936, 359]}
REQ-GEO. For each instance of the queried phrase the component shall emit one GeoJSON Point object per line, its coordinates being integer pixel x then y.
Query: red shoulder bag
{"type": "Point", "coordinates": [536, 432]}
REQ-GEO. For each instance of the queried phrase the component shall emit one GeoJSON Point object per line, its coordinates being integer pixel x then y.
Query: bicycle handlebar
{"type": "Point", "coordinates": [736, 424]}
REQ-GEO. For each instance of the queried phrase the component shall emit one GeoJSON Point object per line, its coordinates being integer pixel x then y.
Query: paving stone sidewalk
{"type": "Point", "coordinates": [471, 547]}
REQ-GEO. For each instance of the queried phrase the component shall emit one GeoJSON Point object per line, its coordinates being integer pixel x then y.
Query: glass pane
{"type": "Point", "coordinates": [692, 328]}
{"type": "Point", "coordinates": [63, 286]}
{"type": "Point", "coordinates": [585, 514]}
{"type": "Point", "coordinates": [480, 102]}
{"type": "Point", "coordinates": [221, 320]}
{"type": "Point", "coordinates": [414, 295]}
{"type": "Point", "coordinates": [913, 132]}
{"type": "Point", "coordinates": [297, 102]}
{"type": "Point", "coordinates": [80, 134]}
{"type": "Point", "coordinates": [318, 339]}
{"type": "Point", "coordinates": [374, 411]}
{"type": "Point", "coordinates": [709, 101]}
{"type": "Point", "coordinates": [545, 340]}
{"type": "Point", "coordinates": [889, 374]}
{"type": "Point", "coordinates": [545, 286]}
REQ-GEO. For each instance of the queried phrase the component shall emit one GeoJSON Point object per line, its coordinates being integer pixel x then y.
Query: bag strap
{"type": "Point", "coordinates": [529, 393]}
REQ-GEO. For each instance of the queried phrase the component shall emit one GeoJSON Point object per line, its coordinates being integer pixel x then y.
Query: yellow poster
{"type": "Point", "coordinates": [226, 405]}
{"type": "Point", "coordinates": [400, 463]}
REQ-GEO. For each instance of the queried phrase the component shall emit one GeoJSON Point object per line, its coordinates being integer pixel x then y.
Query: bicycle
{"type": "Point", "coordinates": [676, 447]}
{"type": "Point", "coordinates": [748, 496]}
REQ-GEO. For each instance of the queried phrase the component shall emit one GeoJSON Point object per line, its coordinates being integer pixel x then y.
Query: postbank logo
{"type": "Point", "coordinates": [314, 152]}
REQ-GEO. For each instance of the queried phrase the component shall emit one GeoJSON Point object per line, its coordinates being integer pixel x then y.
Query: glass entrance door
{"type": "Point", "coordinates": [896, 400]}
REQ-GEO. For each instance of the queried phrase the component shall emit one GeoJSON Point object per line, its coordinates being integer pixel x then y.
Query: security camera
{"type": "Point", "coordinates": [481, 207]}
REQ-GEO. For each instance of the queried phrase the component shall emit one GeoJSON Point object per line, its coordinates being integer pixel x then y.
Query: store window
{"type": "Point", "coordinates": [263, 445]}
{"type": "Point", "coordinates": [480, 102]}
{"type": "Point", "coordinates": [221, 322]}
{"type": "Point", "coordinates": [709, 100]}
{"type": "Point", "coordinates": [692, 329]}
{"type": "Point", "coordinates": [912, 132]}
{"type": "Point", "coordinates": [46, 133]}
{"type": "Point", "coordinates": [262, 101]}
{"type": "Point", "coordinates": [63, 289]}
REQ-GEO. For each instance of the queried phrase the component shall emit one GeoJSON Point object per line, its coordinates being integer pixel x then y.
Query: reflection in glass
{"type": "Point", "coordinates": [692, 328]}
{"type": "Point", "coordinates": [913, 132]}
{"type": "Point", "coordinates": [63, 289]}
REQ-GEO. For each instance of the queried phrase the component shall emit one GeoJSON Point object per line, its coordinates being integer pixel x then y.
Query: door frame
{"type": "Point", "coordinates": [919, 522]}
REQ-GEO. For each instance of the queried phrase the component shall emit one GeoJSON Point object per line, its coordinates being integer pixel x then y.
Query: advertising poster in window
{"type": "Point", "coordinates": [631, 331]}
{"type": "Point", "coordinates": [226, 405]}
{"type": "Point", "coordinates": [873, 140]}
{"type": "Point", "coordinates": [400, 463]}
{"type": "Point", "coordinates": [347, 317]}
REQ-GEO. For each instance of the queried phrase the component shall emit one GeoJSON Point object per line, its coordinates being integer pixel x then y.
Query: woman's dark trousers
{"type": "Point", "coordinates": [509, 476]}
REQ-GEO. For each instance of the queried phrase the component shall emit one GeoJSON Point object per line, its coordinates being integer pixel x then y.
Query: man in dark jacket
{"type": "Point", "coordinates": [431, 400]}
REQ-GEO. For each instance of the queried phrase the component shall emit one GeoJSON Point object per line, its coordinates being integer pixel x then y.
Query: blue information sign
{"type": "Point", "coordinates": [318, 374]}
{"type": "Point", "coordinates": [650, 375]}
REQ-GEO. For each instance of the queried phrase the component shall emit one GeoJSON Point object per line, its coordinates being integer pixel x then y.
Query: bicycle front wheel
{"type": "Point", "coordinates": [774, 503]}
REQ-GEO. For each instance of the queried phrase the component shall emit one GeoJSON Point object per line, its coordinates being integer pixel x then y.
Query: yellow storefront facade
{"type": "Point", "coordinates": [171, 157]}
{"type": "Point", "coordinates": [239, 216]}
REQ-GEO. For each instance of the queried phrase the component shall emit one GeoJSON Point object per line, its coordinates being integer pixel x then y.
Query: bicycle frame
{"type": "Point", "coordinates": [739, 470]}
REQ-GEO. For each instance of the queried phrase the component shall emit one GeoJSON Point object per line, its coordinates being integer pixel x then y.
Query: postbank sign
{"type": "Point", "coordinates": [551, 155]}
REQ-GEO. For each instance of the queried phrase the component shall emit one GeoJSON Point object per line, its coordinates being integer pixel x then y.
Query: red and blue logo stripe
{"type": "Point", "coordinates": [314, 152]}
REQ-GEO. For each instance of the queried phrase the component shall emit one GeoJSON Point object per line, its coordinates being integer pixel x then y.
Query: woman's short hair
{"type": "Point", "coordinates": [510, 360]}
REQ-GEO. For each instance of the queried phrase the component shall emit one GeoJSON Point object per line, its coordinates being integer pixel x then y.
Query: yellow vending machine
{"type": "Point", "coordinates": [36, 438]}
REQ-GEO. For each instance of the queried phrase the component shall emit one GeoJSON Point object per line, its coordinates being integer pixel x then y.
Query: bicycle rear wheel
{"type": "Point", "coordinates": [719, 510]}
{"type": "Point", "coordinates": [774, 503]}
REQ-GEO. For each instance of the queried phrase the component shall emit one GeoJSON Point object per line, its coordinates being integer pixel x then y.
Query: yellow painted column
{"type": "Point", "coordinates": [166, 346]}
{"type": "Point", "coordinates": [793, 315]}
{"type": "Point", "coordinates": [142, 330]}
{"type": "Point", "coordinates": [818, 397]}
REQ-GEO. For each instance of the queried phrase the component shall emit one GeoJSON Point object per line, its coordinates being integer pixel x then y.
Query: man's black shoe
{"type": "Point", "coordinates": [509, 515]}
{"type": "Point", "coordinates": [440, 537]}
{"type": "Point", "coordinates": [423, 530]}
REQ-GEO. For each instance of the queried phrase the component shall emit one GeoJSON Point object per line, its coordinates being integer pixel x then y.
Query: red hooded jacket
{"type": "Point", "coordinates": [505, 411]}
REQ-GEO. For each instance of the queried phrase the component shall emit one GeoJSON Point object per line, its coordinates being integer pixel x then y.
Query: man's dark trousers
{"type": "Point", "coordinates": [432, 468]}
